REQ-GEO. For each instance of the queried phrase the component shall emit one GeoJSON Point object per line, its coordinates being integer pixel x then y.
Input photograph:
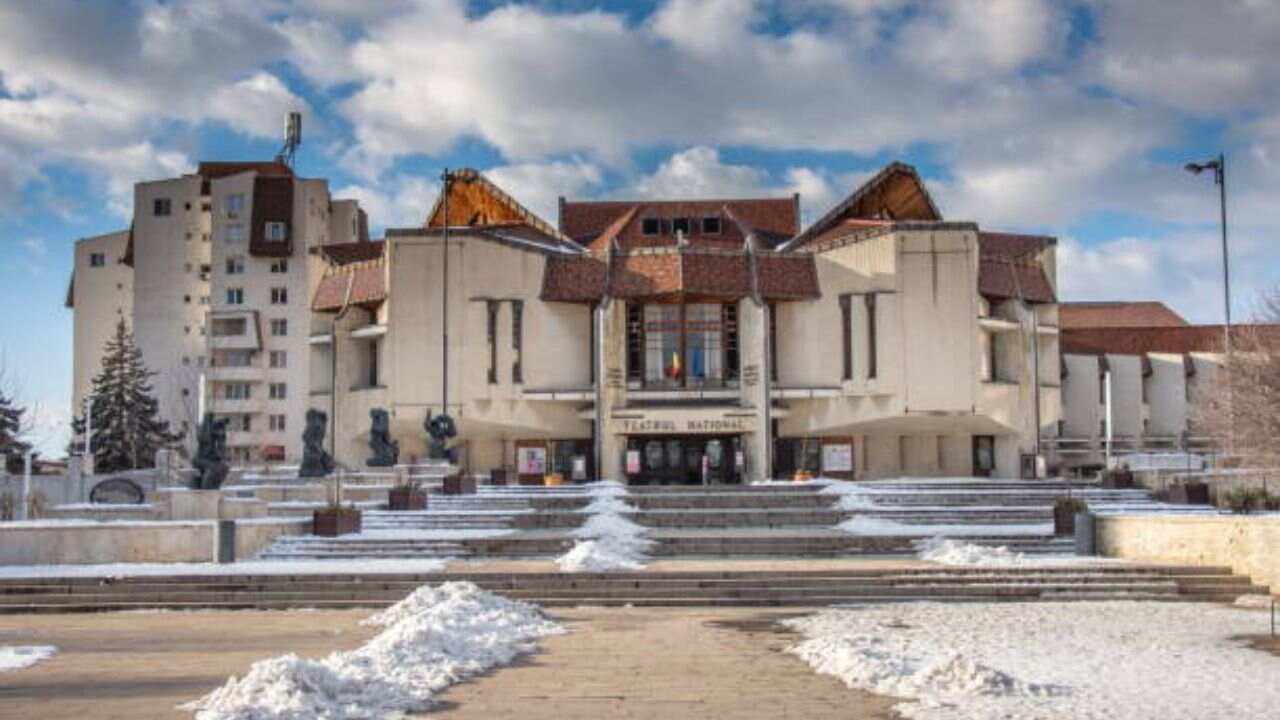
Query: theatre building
{"type": "Point", "coordinates": [695, 340]}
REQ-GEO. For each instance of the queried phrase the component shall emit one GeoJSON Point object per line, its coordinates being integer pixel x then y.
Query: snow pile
{"type": "Point", "coordinates": [867, 525]}
{"type": "Point", "coordinates": [959, 661]}
{"type": "Point", "coordinates": [1161, 461]}
{"type": "Point", "coordinates": [1255, 602]}
{"type": "Point", "coordinates": [242, 567]}
{"type": "Point", "coordinates": [22, 656]}
{"type": "Point", "coordinates": [852, 496]}
{"type": "Point", "coordinates": [607, 541]}
{"type": "Point", "coordinates": [434, 638]}
{"type": "Point", "coordinates": [957, 552]}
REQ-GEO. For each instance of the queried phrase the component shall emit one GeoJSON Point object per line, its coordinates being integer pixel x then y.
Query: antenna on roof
{"type": "Point", "coordinates": [292, 137]}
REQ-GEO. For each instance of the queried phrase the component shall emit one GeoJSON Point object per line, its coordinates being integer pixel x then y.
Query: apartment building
{"type": "Point", "coordinates": [699, 340]}
{"type": "Point", "coordinates": [222, 264]}
{"type": "Point", "coordinates": [100, 294]}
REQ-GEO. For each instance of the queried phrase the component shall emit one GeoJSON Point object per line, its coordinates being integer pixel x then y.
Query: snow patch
{"type": "Point", "coordinates": [966, 661]}
{"type": "Point", "coordinates": [434, 638]}
{"type": "Point", "coordinates": [867, 525]}
{"type": "Point", "coordinates": [246, 567]}
{"type": "Point", "coordinates": [16, 657]}
{"type": "Point", "coordinates": [1256, 602]}
{"type": "Point", "coordinates": [607, 541]}
{"type": "Point", "coordinates": [949, 551]}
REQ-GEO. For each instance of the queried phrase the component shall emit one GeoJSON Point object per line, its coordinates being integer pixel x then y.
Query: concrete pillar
{"type": "Point", "coordinates": [611, 390]}
{"type": "Point", "coordinates": [753, 340]}
{"type": "Point", "coordinates": [224, 541]}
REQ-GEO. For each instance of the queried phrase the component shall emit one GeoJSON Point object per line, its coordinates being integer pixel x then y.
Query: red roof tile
{"type": "Point", "coordinates": [360, 283]}
{"type": "Point", "coordinates": [1009, 267]}
{"type": "Point", "coordinates": [773, 218]}
{"type": "Point", "coordinates": [785, 276]}
{"type": "Point", "coordinates": [1117, 315]}
{"type": "Point", "coordinates": [570, 278]}
{"type": "Point", "coordinates": [1168, 339]}
{"type": "Point", "coordinates": [347, 253]}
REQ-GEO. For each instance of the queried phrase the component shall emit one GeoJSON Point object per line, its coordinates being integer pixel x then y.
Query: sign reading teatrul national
{"type": "Point", "coordinates": [681, 425]}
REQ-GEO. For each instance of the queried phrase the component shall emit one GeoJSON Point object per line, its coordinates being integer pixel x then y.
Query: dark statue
{"type": "Point", "coordinates": [211, 454]}
{"type": "Point", "coordinates": [386, 452]}
{"type": "Point", "coordinates": [442, 429]}
{"type": "Point", "coordinates": [316, 462]}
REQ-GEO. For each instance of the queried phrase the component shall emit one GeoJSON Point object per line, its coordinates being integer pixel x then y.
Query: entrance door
{"type": "Point", "coordinates": [984, 455]}
{"type": "Point", "coordinates": [680, 460]}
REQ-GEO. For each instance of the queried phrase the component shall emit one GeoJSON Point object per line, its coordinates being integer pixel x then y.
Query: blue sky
{"type": "Point", "coordinates": [1069, 118]}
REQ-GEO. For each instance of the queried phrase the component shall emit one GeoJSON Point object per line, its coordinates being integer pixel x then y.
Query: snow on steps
{"type": "Point", "coordinates": [669, 589]}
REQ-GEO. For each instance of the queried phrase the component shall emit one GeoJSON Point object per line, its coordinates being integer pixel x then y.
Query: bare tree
{"type": "Point", "coordinates": [1244, 404]}
{"type": "Point", "coordinates": [17, 423]}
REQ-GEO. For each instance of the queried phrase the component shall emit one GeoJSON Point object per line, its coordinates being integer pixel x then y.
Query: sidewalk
{"type": "Point", "coordinates": [661, 664]}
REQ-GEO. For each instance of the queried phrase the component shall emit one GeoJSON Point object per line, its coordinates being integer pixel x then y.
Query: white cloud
{"type": "Point", "coordinates": [396, 201]}
{"type": "Point", "coordinates": [256, 105]}
{"type": "Point", "coordinates": [35, 247]}
{"type": "Point", "coordinates": [538, 186]}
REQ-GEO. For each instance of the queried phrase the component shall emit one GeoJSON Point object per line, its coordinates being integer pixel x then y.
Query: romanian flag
{"type": "Point", "coordinates": [675, 365]}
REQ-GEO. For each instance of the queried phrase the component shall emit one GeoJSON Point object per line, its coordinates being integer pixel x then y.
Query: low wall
{"type": "Point", "coordinates": [56, 542]}
{"type": "Point", "coordinates": [1248, 544]}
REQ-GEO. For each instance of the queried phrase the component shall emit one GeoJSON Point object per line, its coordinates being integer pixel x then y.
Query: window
{"type": "Point", "coordinates": [279, 266]}
{"type": "Point", "coordinates": [235, 205]}
{"type": "Point", "coordinates": [846, 336]}
{"type": "Point", "coordinates": [276, 232]}
{"type": "Point", "coordinates": [278, 359]}
{"type": "Point", "coordinates": [279, 295]}
{"type": "Point", "coordinates": [236, 391]}
{"type": "Point", "coordinates": [235, 233]}
{"type": "Point", "coordinates": [235, 265]}
{"type": "Point", "coordinates": [491, 330]}
{"type": "Point", "coordinates": [97, 260]}
{"type": "Point", "coordinates": [517, 340]}
{"type": "Point", "coordinates": [235, 296]}
{"type": "Point", "coordinates": [680, 226]}
{"type": "Point", "coordinates": [232, 358]}
{"type": "Point", "coordinates": [650, 226]}
{"type": "Point", "coordinates": [279, 327]}
{"type": "Point", "coordinates": [773, 342]}
{"type": "Point", "coordinates": [871, 336]}
{"type": "Point", "coordinates": [204, 299]}
{"type": "Point", "coordinates": [635, 342]}
{"type": "Point", "coordinates": [228, 327]}
{"type": "Point", "coordinates": [276, 391]}
{"type": "Point", "coordinates": [993, 355]}
{"type": "Point", "coordinates": [276, 423]}
{"type": "Point", "coordinates": [162, 207]}
{"type": "Point", "coordinates": [688, 345]}
{"type": "Point", "coordinates": [246, 423]}
{"type": "Point", "coordinates": [710, 226]}
{"type": "Point", "coordinates": [731, 344]}
{"type": "Point", "coordinates": [186, 299]}
{"type": "Point", "coordinates": [373, 364]}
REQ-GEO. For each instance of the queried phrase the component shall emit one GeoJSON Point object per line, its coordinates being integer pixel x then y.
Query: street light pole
{"type": "Point", "coordinates": [1219, 168]}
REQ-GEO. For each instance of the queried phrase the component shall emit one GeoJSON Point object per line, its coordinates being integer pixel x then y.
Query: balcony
{"type": "Point", "coordinates": [234, 330]}
{"type": "Point", "coordinates": [235, 407]}
{"type": "Point", "coordinates": [235, 373]}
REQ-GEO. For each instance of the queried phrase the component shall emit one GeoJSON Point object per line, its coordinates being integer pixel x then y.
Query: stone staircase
{"type": "Point", "coordinates": [657, 589]}
{"type": "Point", "coordinates": [776, 519]}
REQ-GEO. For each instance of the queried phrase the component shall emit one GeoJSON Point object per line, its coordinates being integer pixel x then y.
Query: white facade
{"type": "Point", "coordinates": [101, 294]}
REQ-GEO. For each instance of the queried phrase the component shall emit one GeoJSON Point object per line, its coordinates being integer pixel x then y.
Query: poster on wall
{"type": "Point", "coordinates": [531, 460]}
{"type": "Point", "coordinates": [633, 462]}
{"type": "Point", "coordinates": [837, 458]}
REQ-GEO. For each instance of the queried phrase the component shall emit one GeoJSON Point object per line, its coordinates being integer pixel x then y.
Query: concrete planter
{"type": "Point", "coordinates": [406, 498]}
{"type": "Point", "coordinates": [332, 522]}
{"type": "Point", "coordinates": [1064, 516]}
{"type": "Point", "coordinates": [1118, 480]}
{"type": "Point", "coordinates": [459, 485]}
{"type": "Point", "coordinates": [499, 476]}
{"type": "Point", "coordinates": [1189, 494]}
{"type": "Point", "coordinates": [532, 480]}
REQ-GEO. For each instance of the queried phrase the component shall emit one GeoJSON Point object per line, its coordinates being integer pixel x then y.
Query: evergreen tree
{"type": "Point", "coordinates": [12, 448]}
{"type": "Point", "coordinates": [127, 429]}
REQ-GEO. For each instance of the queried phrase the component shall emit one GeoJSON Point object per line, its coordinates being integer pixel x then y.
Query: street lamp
{"type": "Point", "coordinates": [1219, 168]}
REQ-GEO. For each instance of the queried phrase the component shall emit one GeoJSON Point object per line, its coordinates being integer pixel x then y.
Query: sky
{"type": "Point", "coordinates": [1071, 118]}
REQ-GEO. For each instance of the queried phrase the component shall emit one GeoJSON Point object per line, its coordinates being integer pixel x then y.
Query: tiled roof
{"type": "Point", "coordinates": [1169, 339]}
{"type": "Point", "coordinates": [895, 193]}
{"type": "Point", "coordinates": [775, 219]}
{"type": "Point", "coordinates": [689, 272]}
{"type": "Point", "coordinates": [787, 276]}
{"type": "Point", "coordinates": [514, 235]}
{"type": "Point", "coordinates": [1117, 315]}
{"type": "Point", "coordinates": [359, 283]}
{"type": "Point", "coordinates": [214, 170]}
{"type": "Point", "coordinates": [1009, 267]}
{"type": "Point", "coordinates": [347, 253]}
{"type": "Point", "coordinates": [272, 202]}
{"type": "Point", "coordinates": [570, 278]}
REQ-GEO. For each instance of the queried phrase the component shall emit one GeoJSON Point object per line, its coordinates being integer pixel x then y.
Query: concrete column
{"type": "Point", "coordinates": [753, 341]}
{"type": "Point", "coordinates": [611, 392]}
